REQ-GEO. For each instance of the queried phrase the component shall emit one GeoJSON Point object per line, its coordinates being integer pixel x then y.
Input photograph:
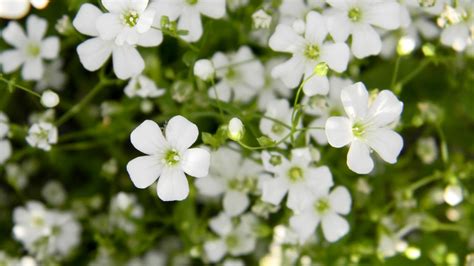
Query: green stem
{"type": "Point", "coordinates": [444, 145]}
{"type": "Point", "coordinates": [414, 73]}
{"type": "Point", "coordinates": [395, 72]}
{"type": "Point", "coordinates": [264, 147]}
{"type": "Point", "coordinates": [295, 121]}
{"type": "Point", "coordinates": [12, 83]}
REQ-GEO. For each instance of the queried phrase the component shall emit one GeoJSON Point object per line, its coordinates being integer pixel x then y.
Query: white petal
{"type": "Point", "coordinates": [386, 142]}
{"type": "Point", "coordinates": [340, 200]}
{"type": "Point", "coordinates": [172, 185]}
{"type": "Point", "coordinates": [285, 39]}
{"type": "Point", "coordinates": [32, 69]}
{"type": "Point", "coordinates": [290, 72]}
{"type": "Point", "coordinates": [235, 202]}
{"type": "Point", "coordinates": [316, 30]}
{"type": "Point", "coordinates": [196, 162]}
{"type": "Point", "coordinates": [365, 41]}
{"type": "Point", "coordinates": [170, 8]}
{"type": "Point", "coordinates": [386, 109]}
{"type": "Point", "coordinates": [94, 52]}
{"type": "Point", "coordinates": [144, 170]}
{"type": "Point", "coordinates": [339, 4]}
{"type": "Point", "coordinates": [5, 151]}
{"type": "Point", "coordinates": [338, 131]}
{"type": "Point", "coordinates": [13, 34]}
{"type": "Point", "coordinates": [339, 26]}
{"type": "Point", "coordinates": [221, 224]}
{"type": "Point", "coordinates": [319, 135]}
{"type": "Point", "coordinates": [358, 158]}
{"type": "Point", "coordinates": [190, 20]}
{"type": "Point", "coordinates": [304, 224]}
{"type": "Point", "coordinates": [221, 91]}
{"type": "Point", "coordinates": [14, 9]}
{"type": "Point", "coordinates": [147, 138]}
{"type": "Point", "coordinates": [334, 227]}
{"type": "Point", "coordinates": [116, 6]}
{"type": "Point", "coordinates": [109, 26]}
{"type": "Point", "coordinates": [384, 14]}
{"type": "Point", "coordinates": [127, 62]}
{"type": "Point", "coordinates": [210, 186]}
{"type": "Point", "coordinates": [36, 27]}
{"type": "Point", "coordinates": [145, 21]}
{"type": "Point", "coordinates": [336, 55]}
{"type": "Point", "coordinates": [215, 250]}
{"type": "Point", "coordinates": [274, 189]}
{"type": "Point", "coordinates": [315, 85]}
{"type": "Point", "coordinates": [11, 60]}
{"type": "Point", "coordinates": [139, 5]}
{"type": "Point", "coordinates": [50, 48]}
{"type": "Point", "coordinates": [212, 8]}
{"type": "Point", "coordinates": [300, 197]}
{"type": "Point", "coordinates": [301, 156]}
{"type": "Point", "coordinates": [320, 180]}
{"type": "Point", "coordinates": [455, 36]}
{"type": "Point", "coordinates": [181, 133]}
{"type": "Point", "coordinates": [355, 100]}
{"type": "Point", "coordinates": [84, 22]}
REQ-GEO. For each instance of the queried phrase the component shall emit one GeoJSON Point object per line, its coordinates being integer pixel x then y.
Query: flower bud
{"type": "Point", "coordinates": [453, 195]}
{"type": "Point", "coordinates": [261, 20]}
{"type": "Point", "coordinates": [204, 69]}
{"type": "Point", "coordinates": [235, 129]}
{"type": "Point", "coordinates": [49, 99]}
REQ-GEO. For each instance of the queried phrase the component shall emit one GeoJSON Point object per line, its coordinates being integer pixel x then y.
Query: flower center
{"type": "Point", "coordinates": [232, 241]}
{"type": "Point", "coordinates": [275, 160]}
{"type": "Point", "coordinates": [312, 51]}
{"type": "Point", "coordinates": [37, 221]}
{"type": "Point", "coordinates": [277, 128]}
{"type": "Point", "coordinates": [171, 157]}
{"type": "Point", "coordinates": [354, 14]}
{"type": "Point", "coordinates": [33, 49]}
{"type": "Point", "coordinates": [130, 18]}
{"type": "Point", "coordinates": [358, 129]}
{"type": "Point", "coordinates": [192, 2]}
{"type": "Point", "coordinates": [231, 74]}
{"type": "Point", "coordinates": [322, 206]}
{"type": "Point", "coordinates": [295, 174]}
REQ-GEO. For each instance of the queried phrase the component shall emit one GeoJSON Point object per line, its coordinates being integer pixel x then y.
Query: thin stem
{"type": "Point", "coordinates": [295, 107]}
{"type": "Point", "coordinates": [236, 63]}
{"type": "Point", "coordinates": [395, 72]}
{"type": "Point", "coordinates": [424, 181]}
{"type": "Point", "coordinates": [415, 72]}
{"type": "Point", "coordinates": [12, 83]}
{"type": "Point", "coordinates": [444, 145]}
{"type": "Point", "coordinates": [264, 147]}
{"type": "Point", "coordinates": [174, 35]}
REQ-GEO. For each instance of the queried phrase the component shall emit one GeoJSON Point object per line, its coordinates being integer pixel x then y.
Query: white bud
{"type": "Point", "coordinates": [453, 195]}
{"type": "Point", "coordinates": [261, 20]}
{"type": "Point", "coordinates": [299, 26]}
{"type": "Point", "coordinates": [406, 45]}
{"type": "Point", "coordinates": [49, 99]}
{"type": "Point", "coordinates": [204, 69]}
{"type": "Point", "coordinates": [235, 130]}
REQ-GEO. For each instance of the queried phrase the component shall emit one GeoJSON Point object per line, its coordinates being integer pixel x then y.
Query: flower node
{"type": "Point", "coordinates": [172, 157]}
{"type": "Point", "coordinates": [312, 51]}
{"type": "Point", "coordinates": [322, 206]}
{"type": "Point", "coordinates": [354, 14]}
{"type": "Point", "coordinates": [295, 173]}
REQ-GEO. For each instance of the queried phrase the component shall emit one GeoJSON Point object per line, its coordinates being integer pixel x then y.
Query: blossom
{"type": "Point", "coordinates": [189, 14]}
{"type": "Point", "coordinates": [124, 210]}
{"type": "Point", "coordinates": [204, 69]}
{"type": "Point", "coordinates": [49, 99]}
{"type": "Point", "coordinates": [325, 208]}
{"type": "Point", "coordinates": [53, 76]}
{"type": "Point", "coordinates": [167, 157]}
{"type": "Point", "coordinates": [241, 75]}
{"type": "Point", "coordinates": [30, 49]}
{"type": "Point", "coordinates": [128, 21]}
{"type": "Point", "coordinates": [31, 223]}
{"type": "Point", "coordinates": [366, 127]}
{"type": "Point", "coordinates": [235, 129]}
{"type": "Point", "coordinates": [143, 87]}
{"type": "Point", "coordinates": [261, 20]}
{"type": "Point", "coordinates": [19, 8]}
{"type": "Point", "coordinates": [460, 24]}
{"type": "Point", "coordinates": [357, 18]}
{"type": "Point", "coordinates": [294, 177]}
{"type": "Point", "coordinates": [308, 51]}
{"type": "Point", "coordinates": [42, 135]}
{"type": "Point", "coordinates": [278, 126]}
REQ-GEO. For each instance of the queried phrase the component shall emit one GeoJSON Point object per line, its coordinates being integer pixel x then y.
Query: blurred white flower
{"type": "Point", "coordinates": [240, 74]}
{"type": "Point", "coordinates": [453, 194]}
{"type": "Point", "coordinates": [53, 77]}
{"type": "Point", "coordinates": [308, 52]}
{"type": "Point", "coordinates": [143, 87]}
{"type": "Point", "coordinates": [261, 20]}
{"type": "Point", "coordinates": [280, 111]}
{"type": "Point", "coordinates": [357, 18]}
{"type": "Point", "coordinates": [273, 88]}
{"type": "Point", "coordinates": [5, 146]}
{"type": "Point", "coordinates": [189, 14]}
{"type": "Point", "coordinates": [41, 135]}
{"type": "Point", "coordinates": [366, 127]}
{"type": "Point", "coordinates": [53, 192]}
{"type": "Point", "coordinates": [204, 69]}
{"type": "Point", "coordinates": [459, 30]}
{"type": "Point", "coordinates": [235, 129]}
{"type": "Point", "coordinates": [49, 99]}
{"type": "Point", "coordinates": [124, 210]}
{"type": "Point", "coordinates": [167, 158]}
{"type": "Point", "coordinates": [29, 49]}
{"type": "Point", "coordinates": [16, 9]}
{"type": "Point", "coordinates": [427, 149]}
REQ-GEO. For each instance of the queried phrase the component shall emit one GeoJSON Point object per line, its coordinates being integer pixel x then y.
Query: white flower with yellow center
{"type": "Point", "coordinates": [366, 128]}
{"type": "Point", "coordinates": [167, 158]}
{"type": "Point", "coordinates": [42, 135]}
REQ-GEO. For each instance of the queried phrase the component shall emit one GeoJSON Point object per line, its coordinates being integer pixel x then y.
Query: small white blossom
{"type": "Point", "coordinates": [261, 20]}
{"type": "Point", "coordinates": [49, 99]}
{"type": "Point", "coordinates": [280, 111]}
{"type": "Point", "coordinates": [53, 77]}
{"type": "Point", "coordinates": [124, 208]}
{"type": "Point", "coordinates": [143, 87]}
{"type": "Point", "coordinates": [204, 69]}
{"type": "Point", "coordinates": [453, 194]}
{"type": "Point", "coordinates": [167, 158]}
{"type": "Point", "coordinates": [30, 49]}
{"type": "Point", "coordinates": [459, 31]}
{"type": "Point", "coordinates": [41, 135]}
{"type": "Point", "coordinates": [17, 9]}
{"type": "Point", "coordinates": [235, 129]}
{"type": "Point", "coordinates": [366, 127]}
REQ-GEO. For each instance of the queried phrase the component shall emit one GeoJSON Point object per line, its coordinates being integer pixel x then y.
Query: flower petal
{"type": "Point", "coordinates": [190, 20]}
{"type": "Point", "coordinates": [211, 186]}
{"type": "Point", "coordinates": [235, 202]}
{"type": "Point", "coordinates": [145, 21]}
{"type": "Point", "coordinates": [36, 27]}
{"type": "Point", "coordinates": [358, 158]}
{"type": "Point", "coordinates": [33, 69]}
{"type": "Point", "coordinates": [84, 22]}
{"type": "Point", "coordinates": [385, 110]}
{"type": "Point", "coordinates": [181, 133]}
{"type": "Point", "coordinates": [339, 131]}
{"type": "Point", "coordinates": [50, 48]}
{"type": "Point", "coordinates": [172, 185]}
{"type": "Point", "coordinates": [94, 52]}
{"type": "Point", "coordinates": [386, 142]}
{"type": "Point", "coordinates": [304, 224]}
{"type": "Point", "coordinates": [290, 72]}
{"type": "Point", "coordinates": [144, 170]}
{"type": "Point", "coordinates": [109, 26]}
{"type": "Point", "coordinates": [11, 60]}
{"type": "Point", "coordinates": [340, 200]}
{"type": "Point", "coordinates": [127, 62]}
{"type": "Point", "coordinates": [365, 41]}
{"type": "Point", "coordinates": [212, 8]}
{"type": "Point", "coordinates": [384, 14]}
{"type": "Point", "coordinates": [221, 224]}
{"type": "Point", "coordinates": [334, 227]}
{"type": "Point", "coordinates": [300, 196]}
{"type": "Point", "coordinates": [355, 99]}
{"type": "Point", "coordinates": [320, 180]}
{"type": "Point", "coordinates": [13, 34]}
{"type": "Point", "coordinates": [116, 6]}
{"type": "Point", "coordinates": [285, 39]}
{"type": "Point", "coordinates": [215, 250]}
{"type": "Point", "coordinates": [315, 85]}
{"type": "Point", "coordinates": [5, 151]}
{"type": "Point", "coordinates": [315, 31]}
{"type": "Point", "coordinates": [339, 26]}
{"type": "Point", "coordinates": [336, 55]}
{"type": "Point", "coordinates": [147, 138]}
{"type": "Point", "coordinates": [196, 162]}
{"type": "Point", "coordinates": [274, 189]}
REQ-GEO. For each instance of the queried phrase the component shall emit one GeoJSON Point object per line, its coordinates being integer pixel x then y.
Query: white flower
{"type": "Point", "coordinates": [16, 9]}
{"type": "Point", "coordinates": [240, 73]}
{"type": "Point", "coordinates": [66, 233]}
{"type": "Point", "coordinates": [453, 194]}
{"type": "Point", "coordinates": [49, 99]}
{"type": "Point", "coordinates": [5, 150]}
{"type": "Point", "coordinates": [233, 177]}
{"type": "Point", "coordinates": [167, 158]}
{"type": "Point", "coordinates": [261, 20]}
{"type": "Point", "coordinates": [235, 129]}
{"type": "Point", "coordinates": [31, 223]}
{"type": "Point", "coordinates": [124, 210]}
{"type": "Point", "coordinates": [280, 111]}
{"type": "Point", "coordinates": [30, 49]}
{"type": "Point", "coordinates": [204, 69]}
{"type": "Point", "coordinates": [366, 127]}
{"type": "Point", "coordinates": [325, 208]}
{"type": "Point", "coordinates": [357, 18]}
{"type": "Point", "coordinates": [53, 76]}
{"type": "Point", "coordinates": [459, 32]}
{"type": "Point", "coordinates": [4, 127]}
{"type": "Point", "coordinates": [128, 22]}
{"type": "Point", "coordinates": [272, 89]}
{"type": "Point", "coordinates": [41, 135]}
{"type": "Point", "coordinates": [143, 87]}
{"type": "Point", "coordinates": [294, 177]}
{"type": "Point", "coordinates": [189, 14]}
{"type": "Point", "coordinates": [93, 53]}
{"type": "Point", "coordinates": [307, 52]}
{"type": "Point", "coordinates": [235, 240]}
